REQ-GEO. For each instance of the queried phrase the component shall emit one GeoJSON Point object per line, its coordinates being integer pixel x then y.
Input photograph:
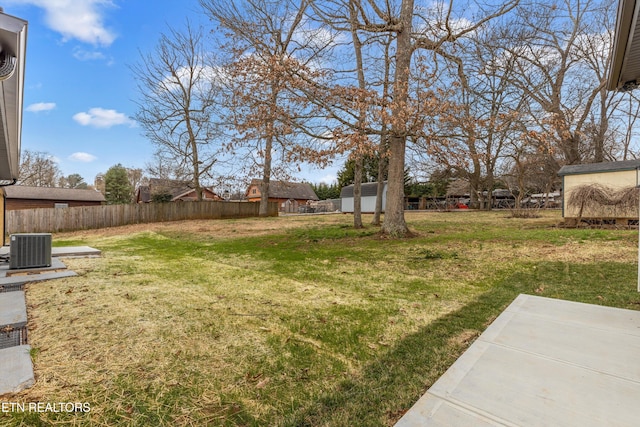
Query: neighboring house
{"type": "Point", "coordinates": [290, 196]}
{"type": "Point", "coordinates": [179, 191]}
{"type": "Point", "coordinates": [368, 195]}
{"type": "Point", "coordinates": [607, 182]}
{"type": "Point", "coordinates": [24, 197]}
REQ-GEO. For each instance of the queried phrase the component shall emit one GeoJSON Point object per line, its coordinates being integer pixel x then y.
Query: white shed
{"type": "Point", "coordinates": [368, 197]}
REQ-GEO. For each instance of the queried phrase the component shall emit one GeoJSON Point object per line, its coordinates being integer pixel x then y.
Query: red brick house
{"type": "Point", "coordinates": [289, 195]}
{"type": "Point", "coordinates": [24, 197]}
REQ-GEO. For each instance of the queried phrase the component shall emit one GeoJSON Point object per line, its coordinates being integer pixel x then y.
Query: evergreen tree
{"type": "Point", "coordinates": [117, 186]}
{"type": "Point", "coordinates": [325, 191]}
{"type": "Point", "coordinates": [346, 175]}
{"type": "Point", "coordinates": [73, 181]}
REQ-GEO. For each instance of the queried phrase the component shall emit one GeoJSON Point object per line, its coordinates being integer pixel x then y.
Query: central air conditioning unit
{"type": "Point", "coordinates": [30, 250]}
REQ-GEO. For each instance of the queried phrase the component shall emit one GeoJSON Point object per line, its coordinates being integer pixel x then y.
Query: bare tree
{"type": "Point", "coordinates": [136, 177]}
{"type": "Point", "coordinates": [561, 50]}
{"type": "Point", "coordinates": [473, 134]}
{"type": "Point", "coordinates": [177, 108]}
{"type": "Point", "coordinates": [397, 19]}
{"type": "Point", "coordinates": [629, 109]}
{"type": "Point", "coordinates": [38, 169]}
{"type": "Point", "coordinates": [163, 167]}
{"type": "Point", "coordinates": [272, 52]}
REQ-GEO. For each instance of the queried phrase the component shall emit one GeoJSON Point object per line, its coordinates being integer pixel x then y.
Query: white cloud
{"type": "Point", "coordinates": [200, 76]}
{"type": "Point", "coordinates": [41, 106]}
{"type": "Point", "coordinates": [82, 157]}
{"type": "Point", "coordinates": [77, 19]}
{"type": "Point", "coordinates": [436, 20]}
{"type": "Point", "coordinates": [329, 179]}
{"type": "Point", "coordinates": [101, 118]}
{"type": "Point", "coordinates": [85, 55]}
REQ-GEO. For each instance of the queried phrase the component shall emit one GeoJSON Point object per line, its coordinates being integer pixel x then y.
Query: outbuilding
{"type": "Point", "coordinates": [369, 192]}
{"type": "Point", "coordinates": [25, 197]}
{"type": "Point", "coordinates": [600, 192]}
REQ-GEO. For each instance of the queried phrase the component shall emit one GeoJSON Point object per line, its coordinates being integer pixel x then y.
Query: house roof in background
{"type": "Point", "coordinates": [599, 167]}
{"type": "Point", "coordinates": [288, 190]}
{"type": "Point", "coordinates": [171, 186]}
{"type": "Point", "coordinates": [191, 194]}
{"type": "Point", "coordinates": [52, 193]}
{"type": "Point", "coordinates": [157, 185]}
{"type": "Point", "coordinates": [624, 65]}
{"type": "Point", "coordinates": [176, 188]}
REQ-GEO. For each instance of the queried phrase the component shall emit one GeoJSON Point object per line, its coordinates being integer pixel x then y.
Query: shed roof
{"type": "Point", "coordinates": [624, 66]}
{"type": "Point", "coordinates": [288, 190]}
{"type": "Point", "coordinates": [368, 189]}
{"type": "Point", "coordinates": [599, 167]}
{"type": "Point", "coordinates": [52, 193]}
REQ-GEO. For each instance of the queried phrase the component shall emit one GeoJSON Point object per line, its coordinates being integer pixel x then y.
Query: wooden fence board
{"type": "Point", "coordinates": [54, 220]}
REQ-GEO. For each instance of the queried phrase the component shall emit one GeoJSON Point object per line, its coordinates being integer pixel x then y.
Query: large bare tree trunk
{"type": "Point", "coordinates": [601, 133]}
{"type": "Point", "coordinates": [382, 148]}
{"type": "Point", "coordinates": [358, 161]}
{"type": "Point", "coordinates": [266, 178]}
{"type": "Point", "coordinates": [394, 223]}
{"type": "Point", "coordinates": [357, 192]}
{"type": "Point", "coordinates": [382, 170]}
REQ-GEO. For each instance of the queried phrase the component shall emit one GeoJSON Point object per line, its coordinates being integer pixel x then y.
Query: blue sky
{"type": "Point", "coordinates": [79, 93]}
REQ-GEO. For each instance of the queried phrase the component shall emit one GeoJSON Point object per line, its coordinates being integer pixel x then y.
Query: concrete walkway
{"type": "Point", "coordinates": [16, 369]}
{"type": "Point", "coordinates": [542, 362]}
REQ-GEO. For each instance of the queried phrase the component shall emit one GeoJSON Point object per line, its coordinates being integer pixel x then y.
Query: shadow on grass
{"type": "Point", "coordinates": [390, 385]}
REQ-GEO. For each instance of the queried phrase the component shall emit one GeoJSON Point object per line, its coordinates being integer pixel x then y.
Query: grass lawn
{"type": "Point", "coordinates": [293, 321]}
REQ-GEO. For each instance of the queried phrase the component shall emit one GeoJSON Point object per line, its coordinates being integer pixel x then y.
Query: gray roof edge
{"type": "Point", "coordinates": [587, 168]}
{"type": "Point", "coordinates": [367, 188]}
{"type": "Point", "coordinates": [52, 193]}
{"type": "Point", "coordinates": [620, 43]}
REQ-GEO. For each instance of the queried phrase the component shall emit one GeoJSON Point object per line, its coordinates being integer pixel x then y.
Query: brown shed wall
{"type": "Point", "coordinates": [16, 204]}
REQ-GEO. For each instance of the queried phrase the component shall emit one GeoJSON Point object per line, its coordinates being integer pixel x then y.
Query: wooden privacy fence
{"type": "Point", "coordinates": [53, 220]}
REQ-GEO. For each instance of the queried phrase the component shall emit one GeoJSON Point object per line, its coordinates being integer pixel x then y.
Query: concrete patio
{"type": "Point", "coordinates": [542, 362]}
